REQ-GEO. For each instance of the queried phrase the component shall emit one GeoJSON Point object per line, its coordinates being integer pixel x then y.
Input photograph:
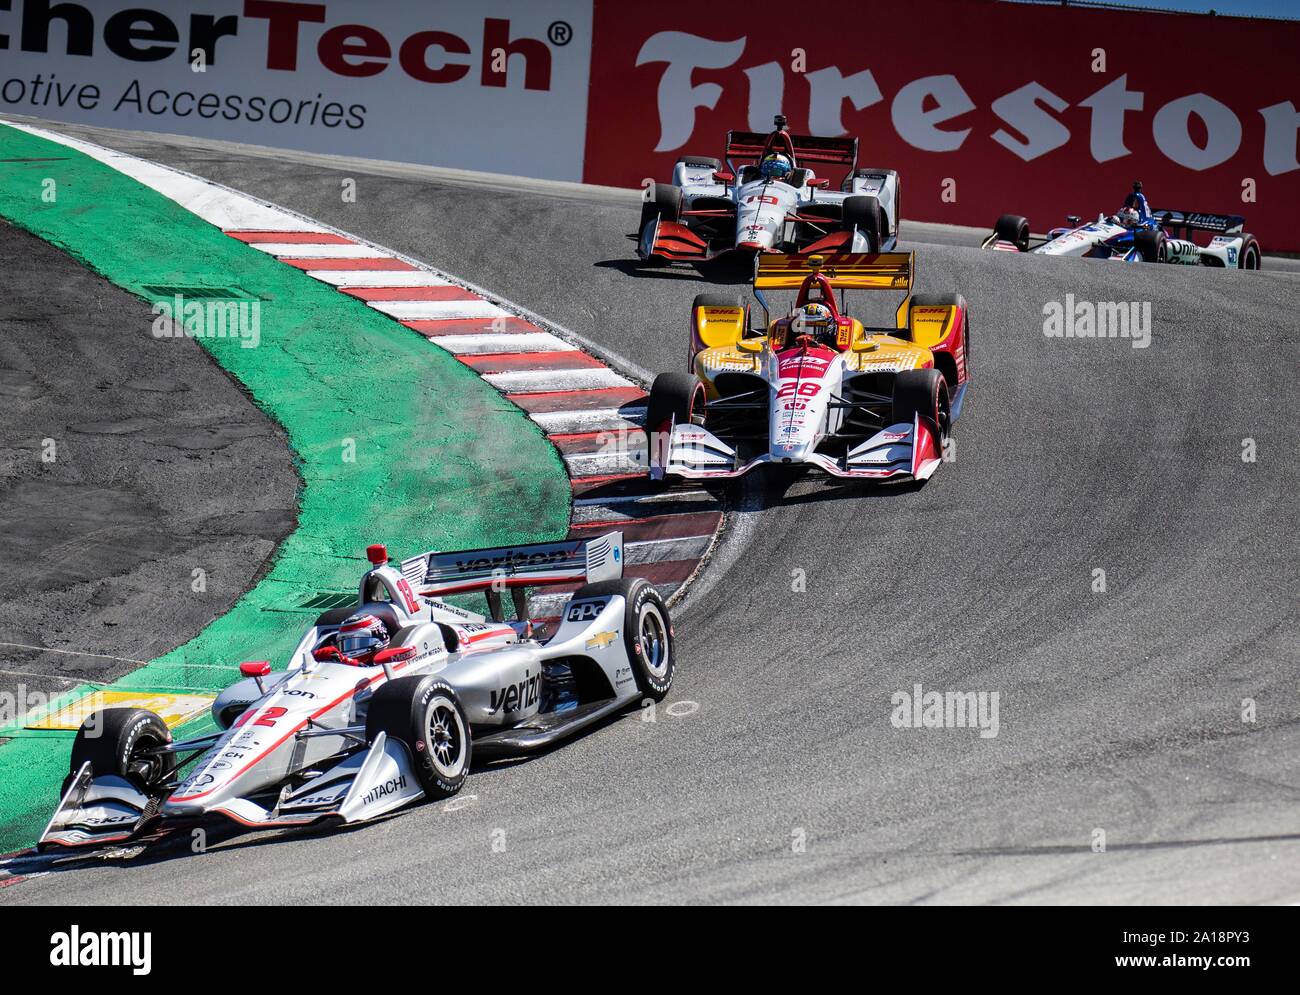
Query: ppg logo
{"type": "Point", "coordinates": [585, 611]}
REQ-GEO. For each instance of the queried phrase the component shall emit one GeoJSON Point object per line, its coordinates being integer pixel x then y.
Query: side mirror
{"type": "Point", "coordinates": [256, 669]}
{"type": "Point", "coordinates": [1073, 219]}
{"type": "Point", "coordinates": [821, 183]}
{"type": "Point", "coordinates": [749, 345]}
{"type": "Point", "coordinates": [722, 176]}
{"type": "Point", "coordinates": [865, 345]}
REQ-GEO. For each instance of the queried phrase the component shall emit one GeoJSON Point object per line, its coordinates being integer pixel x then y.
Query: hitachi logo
{"type": "Point", "coordinates": [140, 34]}
{"type": "Point", "coordinates": [513, 697]}
{"type": "Point", "coordinates": [387, 788]}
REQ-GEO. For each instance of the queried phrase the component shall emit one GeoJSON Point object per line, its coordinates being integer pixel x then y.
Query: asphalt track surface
{"type": "Point", "coordinates": [781, 778]}
{"type": "Point", "coordinates": [160, 463]}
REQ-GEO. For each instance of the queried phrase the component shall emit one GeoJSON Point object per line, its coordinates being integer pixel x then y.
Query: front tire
{"type": "Point", "coordinates": [425, 714]}
{"type": "Point", "coordinates": [647, 632]}
{"type": "Point", "coordinates": [675, 398]}
{"type": "Point", "coordinates": [924, 393]}
{"type": "Point", "coordinates": [665, 203]}
{"type": "Point", "coordinates": [863, 212]}
{"type": "Point", "coordinates": [118, 741]}
{"type": "Point", "coordinates": [1151, 246]}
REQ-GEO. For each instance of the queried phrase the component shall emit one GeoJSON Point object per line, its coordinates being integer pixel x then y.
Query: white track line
{"type": "Point", "coordinates": [499, 342]}
{"type": "Point", "coordinates": [306, 250]}
{"type": "Point", "coordinates": [426, 310]}
{"type": "Point", "coordinates": [597, 420]}
{"type": "Point", "coordinates": [598, 464]}
{"type": "Point", "coordinates": [543, 381]}
{"type": "Point", "coordinates": [667, 550]}
{"type": "Point", "coordinates": [378, 278]}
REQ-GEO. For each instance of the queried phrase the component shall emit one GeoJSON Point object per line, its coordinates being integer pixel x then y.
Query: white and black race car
{"type": "Point", "coordinates": [1166, 237]}
{"type": "Point", "coordinates": [349, 736]}
{"type": "Point", "coordinates": [766, 197]}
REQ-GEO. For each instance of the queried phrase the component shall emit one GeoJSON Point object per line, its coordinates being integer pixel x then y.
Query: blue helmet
{"type": "Point", "coordinates": [776, 166]}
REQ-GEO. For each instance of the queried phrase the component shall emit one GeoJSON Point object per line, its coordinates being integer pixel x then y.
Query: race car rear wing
{"type": "Point", "coordinates": [857, 271]}
{"type": "Point", "coordinates": [1219, 224]}
{"type": "Point", "coordinates": [538, 564]}
{"type": "Point", "coordinates": [744, 145]}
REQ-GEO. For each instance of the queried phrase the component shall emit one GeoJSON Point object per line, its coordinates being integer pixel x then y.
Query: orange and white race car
{"type": "Point", "coordinates": [815, 386]}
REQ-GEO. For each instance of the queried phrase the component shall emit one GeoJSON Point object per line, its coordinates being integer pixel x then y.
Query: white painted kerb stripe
{"type": "Point", "coordinates": [378, 278]}
{"type": "Point", "coordinates": [305, 250]}
{"type": "Point", "coordinates": [490, 344]}
{"type": "Point", "coordinates": [433, 310]}
{"type": "Point", "coordinates": [545, 381]}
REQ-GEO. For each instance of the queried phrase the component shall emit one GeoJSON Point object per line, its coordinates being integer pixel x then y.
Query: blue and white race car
{"type": "Point", "coordinates": [1161, 237]}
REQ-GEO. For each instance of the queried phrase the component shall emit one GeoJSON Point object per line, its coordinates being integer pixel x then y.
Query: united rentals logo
{"type": "Point", "coordinates": [97, 949]}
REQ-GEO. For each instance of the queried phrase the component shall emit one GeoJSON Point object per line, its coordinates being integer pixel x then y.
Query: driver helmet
{"type": "Point", "coordinates": [816, 320]}
{"type": "Point", "coordinates": [362, 636]}
{"type": "Point", "coordinates": [776, 166]}
{"type": "Point", "coordinates": [1128, 217]}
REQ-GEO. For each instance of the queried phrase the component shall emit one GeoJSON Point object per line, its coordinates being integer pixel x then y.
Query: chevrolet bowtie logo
{"type": "Point", "coordinates": [600, 640]}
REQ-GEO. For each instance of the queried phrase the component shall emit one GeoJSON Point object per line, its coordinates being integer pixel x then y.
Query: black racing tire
{"type": "Point", "coordinates": [425, 713]}
{"type": "Point", "coordinates": [676, 397]}
{"type": "Point", "coordinates": [1013, 228]}
{"type": "Point", "coordinates": [112, 741]}
{"type": "Point", "coordinates": [923, 392]}
{"type": "Point", "coordinates": [647, 632]}
{"type": "Point", "coordinates": [1151, 246]}
{"type": "Point", "coordinates": [665, 202]}
{"type": "Point", "coordinates": [1249, 256]}
{"type": "Point", "coordinates": [864, 213]}
{"type": "Point", "coordinates": [701, 160]}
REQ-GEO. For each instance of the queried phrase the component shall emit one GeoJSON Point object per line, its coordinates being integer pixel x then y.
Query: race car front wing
{"type": "Point", "coordinates": [898, 451]}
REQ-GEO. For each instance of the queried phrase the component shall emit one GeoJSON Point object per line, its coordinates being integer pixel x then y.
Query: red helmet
{"type": "Point", "coordinates": [361, 637]}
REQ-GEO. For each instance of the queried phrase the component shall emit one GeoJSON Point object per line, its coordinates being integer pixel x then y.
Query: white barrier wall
{"type": "Point", "coordinates": [498, 85]}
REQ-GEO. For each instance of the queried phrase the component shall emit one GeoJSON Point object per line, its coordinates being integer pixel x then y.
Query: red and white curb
{"type": "Point", "coordinates": [589, 411]}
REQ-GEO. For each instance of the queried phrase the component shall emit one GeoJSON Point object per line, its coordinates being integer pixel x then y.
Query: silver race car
{"type": "Point", "coordinates": [384, 701]}
{"type": "Point", "coordinates": [1165, 237]}
{"type": "Point", "coordinates": [767, 198]}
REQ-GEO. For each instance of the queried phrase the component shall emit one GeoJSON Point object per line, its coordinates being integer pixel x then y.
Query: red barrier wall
{"type": "Point", "coordinates": [983, 107]}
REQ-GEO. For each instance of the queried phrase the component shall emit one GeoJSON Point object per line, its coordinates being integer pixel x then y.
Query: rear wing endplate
{"type": "Point", "coordinates": [807, 148]}
{"type": "Point", "coordinates": [853, 271]}
{"type": "Point", "coordinates": [531, 565]}
{"type": "Point", "coordinates": [1220, 224]}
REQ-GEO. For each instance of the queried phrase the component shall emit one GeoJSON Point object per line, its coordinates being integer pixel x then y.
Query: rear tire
{"type": "Point", "coordinates": [674, 397]}
{"type": "Point", "coordinates": [1013, 228]}
{"type": "Point", "coordinates": [112, 742]}
{"type": "Point", "coordinates": [863, 213]}
{"type": "Point", "coordinates": [1248, 257]}
{"type": "Point", "coordinates": [425, 714]}
{"type": "Point", "coordinates": [647, 632]}
{"type": "Point", "coordinates": [923, 392]}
